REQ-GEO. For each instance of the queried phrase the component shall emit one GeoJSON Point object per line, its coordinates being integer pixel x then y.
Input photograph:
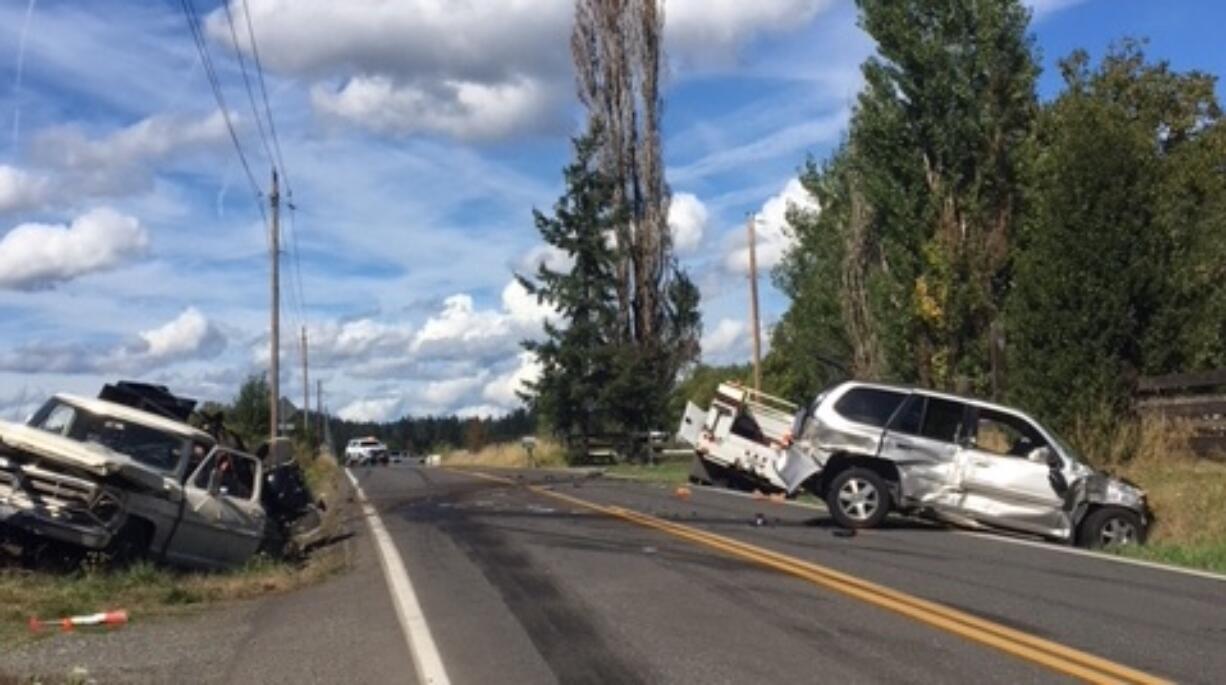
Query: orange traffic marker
{"type": "Point", "coordinates": [109, 619]}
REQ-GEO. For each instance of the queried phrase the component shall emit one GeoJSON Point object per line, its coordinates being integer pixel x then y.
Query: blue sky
{"type": "Point", "coordinates": [417, 137]}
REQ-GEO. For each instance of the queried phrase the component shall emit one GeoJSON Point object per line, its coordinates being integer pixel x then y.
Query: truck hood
{"type": "Point", "coordinates": [87, 456]}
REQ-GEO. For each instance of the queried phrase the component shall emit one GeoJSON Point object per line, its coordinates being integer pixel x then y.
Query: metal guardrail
{"type": "Point", "coordinates": [1198, 398]}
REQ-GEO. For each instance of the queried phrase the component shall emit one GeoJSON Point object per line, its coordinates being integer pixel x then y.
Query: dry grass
{"type": "Point", "coordinates": [548, 453]}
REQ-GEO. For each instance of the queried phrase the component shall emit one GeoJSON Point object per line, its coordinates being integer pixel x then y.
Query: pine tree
{"type": "Point", "coordinates": [579, 354]}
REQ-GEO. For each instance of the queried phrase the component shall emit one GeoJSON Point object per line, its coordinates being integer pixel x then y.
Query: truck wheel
{"type": "Point", "coordinates": [1110, 527]}
{"type": "Point", "coordinates": [858, 498]}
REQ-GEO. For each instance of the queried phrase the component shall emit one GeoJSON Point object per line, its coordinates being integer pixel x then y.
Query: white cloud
{"type": "Point", "coordinates": [34, 256]}
{"type": "Point", "coordinates": [550, 257]}
{"type": "Point", "coordinates": [361, 339]}
{"type": "Point", "coordinates": [470, 70]}
{"type": "Point", "coordinates": [794, 138]}
{"type": "Point", "coordinates": [461, 331]}
{"type": "Point", "coordinates": [481, 411]}
{"type": "Point", "coordinates": [378, 409]}
{"type": "Point", "coordinates": [464, 110]}
{"type": "Point", "coordinates": [189, 335]}
{"type": "Point", "coordinates": [19, 405]}
{"type": "Point", "coordinates": [773, 234]}
{"type": "Point", "coordinates": [687, 218]}
{"type": "Point", "coordinates": [446, 394]}
{"type": "Point", "coordinates": [729, 335]}
{"type": "Point", "coordinates": [502, 390]}
{"type": "Point", "coordinates": [148, 140]}
{"type": "Point", "coordinates": [711, 31]}
{"type": "Point", "coordinates": [20, 190]}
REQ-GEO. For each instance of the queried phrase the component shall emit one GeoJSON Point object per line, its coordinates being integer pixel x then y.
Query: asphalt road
{"type": "Point", "coordinates": [522, 585]}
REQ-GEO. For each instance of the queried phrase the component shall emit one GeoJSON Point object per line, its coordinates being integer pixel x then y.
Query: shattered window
{"type": "Point", "coordinates": [145, 445]}
{"type": "Point", "coordinates": [1006, 435]}
{"type": "Point", "coordinates": [236, 475]}
{"type": "Point", "coordinates": [873, 406]}
{"type": "Point", "coordinates": [943, 420]}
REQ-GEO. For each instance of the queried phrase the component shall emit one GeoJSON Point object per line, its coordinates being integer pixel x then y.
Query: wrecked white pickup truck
{"type": "Point", "coordinates": [869, 448]}
{"type": "Point", "coordinates": [107, 476]}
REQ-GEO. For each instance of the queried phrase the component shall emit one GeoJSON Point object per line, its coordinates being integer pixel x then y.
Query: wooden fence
{"type": "Point", "coordinates": [1199, 398]}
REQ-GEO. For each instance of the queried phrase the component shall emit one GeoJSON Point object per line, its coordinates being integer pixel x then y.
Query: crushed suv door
{"type": "Point", "coordinates": [922, 440]}
{"type": "Point", "coordinates": [1006, 479]}
{"type": "Point", "coordinates": [223, 522]}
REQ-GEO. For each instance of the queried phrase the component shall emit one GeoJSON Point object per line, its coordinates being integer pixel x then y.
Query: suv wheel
{"type": "Point", "coordinates": [1111, 527]}
{"type": "Point", "coordinates": [858, 498]}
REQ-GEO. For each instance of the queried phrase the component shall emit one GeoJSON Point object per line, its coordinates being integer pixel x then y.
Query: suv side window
{"type": "Point", "coordinates": [910, 417]}
{"type": "Point", "coordinates": [943, 420]}
{"type": "Point", "coordinates": [873, 406]}
{"type": "Point", "coordinates": [1005, 435]}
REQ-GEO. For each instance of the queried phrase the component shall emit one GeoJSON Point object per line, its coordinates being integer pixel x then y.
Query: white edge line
{"type": "Point", "coordinates": [994, 537]}
{"type": "Point", "coordinates": [426, 658]}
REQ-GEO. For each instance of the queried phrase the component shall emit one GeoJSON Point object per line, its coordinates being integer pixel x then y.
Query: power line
{"type": "Point", "coordinates": [255, 110]}
{"type": "Point", "coordinates": [259, 71]}
{"type": "Point", "coordinates": [210, 72]}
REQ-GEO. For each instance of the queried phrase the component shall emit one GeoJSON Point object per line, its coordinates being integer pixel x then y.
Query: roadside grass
{"type": "Point", "coordinates": [146, 590]}
{"type": "Point", "coordinates": [1186, 493]}
{"type": "Point", "coordinates": [671, 471]}
{"type": "Point", "coordinates": [547, 453]}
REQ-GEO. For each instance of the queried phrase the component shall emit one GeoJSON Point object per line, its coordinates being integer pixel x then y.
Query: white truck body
{"type": "Point", "coordinates": [747, 432]}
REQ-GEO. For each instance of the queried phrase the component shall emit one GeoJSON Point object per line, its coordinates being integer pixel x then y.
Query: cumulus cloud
{"type": "Point", "coordinates": [773, 235]}
{"type": "Point", "coordinates": [729, 335]}
{"type": "Point", "coordinates": [461, 331]}
{"type": "Point", "coordinates": [502, 391]}
{"type": "Point", "coordinates": [687, 219]}
{"type": "Point", "coordinates": [189, 336]}
{"type": "Point", "coordinates": [34, 256]}
{"type": "Point", "coordinates": [711, 31]}
{"type": "Point", "coordinates": [21, 190]}
{"type": "Point", "coordinates": [148, 140]}
{"type": "Point", "coordinates": [464, 110]}
{"type": "Point", "coordinates": [469, 70]}
{"type": "Point", "coordinates": [376, 409]}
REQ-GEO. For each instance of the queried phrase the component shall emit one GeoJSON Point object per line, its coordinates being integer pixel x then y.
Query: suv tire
{"type": "Point", "coordinates": [858, 498]}
{"type": "Point", "coordinates": [1109, 527]}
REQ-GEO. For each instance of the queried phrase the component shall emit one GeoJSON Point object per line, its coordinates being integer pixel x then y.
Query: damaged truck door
{"type": "Point", "coordinates": [222, 521]}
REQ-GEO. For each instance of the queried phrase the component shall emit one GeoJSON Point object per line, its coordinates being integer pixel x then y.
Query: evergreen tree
{"type": "Point", "coordinates": [579, 355]}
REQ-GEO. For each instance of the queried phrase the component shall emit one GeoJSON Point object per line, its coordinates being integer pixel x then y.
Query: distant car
{"type": "Point", "coordinates": [396, 457]}
{"type": "Point", "coordinates": [365, 452]}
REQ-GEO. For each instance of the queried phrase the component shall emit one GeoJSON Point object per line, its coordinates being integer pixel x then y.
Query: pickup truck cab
{"type": "Point", "coordinates": [869, 448]}
{"type": "Point", "coordinates": [100, 475]}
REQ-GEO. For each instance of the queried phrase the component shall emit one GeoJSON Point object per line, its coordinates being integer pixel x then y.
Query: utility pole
{"type": "Point", "coordinates": [753, 305]}
{"type": "Point", "coordinates": [306, 391]}
{"type": "Point", "coordinates": [274, 373]}
{"type": "Point", "coordinates": [319, 406]}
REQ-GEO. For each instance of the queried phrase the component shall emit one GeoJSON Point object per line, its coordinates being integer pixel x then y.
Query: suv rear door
{"type": "Point", "coordinates": [923, 438]}
{"type": "Point", "coordinates": [1002, 485]}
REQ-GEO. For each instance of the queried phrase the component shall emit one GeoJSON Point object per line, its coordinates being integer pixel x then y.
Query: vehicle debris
{"type": "Point", "coordinates": [867, 449]}
{"type": "Point", "coordinates": [108, 619]}
{"type": "Point", "coordinates": [125, 474]}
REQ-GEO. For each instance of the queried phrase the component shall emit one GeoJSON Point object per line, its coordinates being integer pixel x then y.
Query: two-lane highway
{"type": "Point", "coordinates": [553, 582]}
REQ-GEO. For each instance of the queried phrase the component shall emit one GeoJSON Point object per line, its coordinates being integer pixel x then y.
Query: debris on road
{"type": "Point", "coordinates": [108, 619]}
{"type": "Point", "coordinates": [682, 493]}
{"type": "Point", "coordinates": [844, 532]}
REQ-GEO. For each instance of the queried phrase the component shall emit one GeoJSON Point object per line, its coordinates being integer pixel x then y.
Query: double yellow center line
{"type": "Point", "coordinates": [1050, 654]}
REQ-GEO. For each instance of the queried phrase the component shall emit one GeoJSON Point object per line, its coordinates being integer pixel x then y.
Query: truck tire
{"type": "Point", "coordinates": [858, 498]}
{"type": "Point", "coordinates": [1110, 527]}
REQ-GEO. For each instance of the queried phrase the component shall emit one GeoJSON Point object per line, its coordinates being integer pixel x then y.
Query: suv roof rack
{"type": "Point", "coordinates": [155, 399]}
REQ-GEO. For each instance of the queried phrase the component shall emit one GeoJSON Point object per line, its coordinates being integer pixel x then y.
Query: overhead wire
{"type": "Point", "coordinates": [210, 72]}
{"type": "Point", "coordinates": [255, 110]}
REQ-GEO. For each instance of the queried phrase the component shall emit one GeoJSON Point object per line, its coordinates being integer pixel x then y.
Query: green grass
{"type": "Point", "coordinates": [1207, 556]}
{"type": "Point", "coordinates": [672, 471]}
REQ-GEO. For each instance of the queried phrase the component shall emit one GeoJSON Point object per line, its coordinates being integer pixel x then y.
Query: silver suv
{"type": "Point", "coordinates": [961, 460]}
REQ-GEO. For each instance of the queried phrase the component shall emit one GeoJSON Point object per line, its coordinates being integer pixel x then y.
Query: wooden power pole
{"type": "Point", "coordinates": [753, 305]}
{"type": "Point", "coordinates": [306, 390]}
{"type": "Point", "coordinates": [319, 407]}
{"type": "Point", "coordinates": [274, 372]}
